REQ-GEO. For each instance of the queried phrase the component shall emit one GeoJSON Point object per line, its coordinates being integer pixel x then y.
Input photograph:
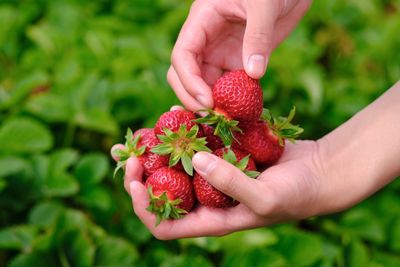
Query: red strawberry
{"type": "Point", "coordinates": [265, 139]}
{"type": "Point", "coordinates": [209, 195]}
{"type": "Point", "coordinates": [173, 120]}
{"type": "Point", "coordinates": [140, 144]}
{"type": "Point", "coordinates": [213, 141]}
{"type": "Point", "coordinates": [180, 137]}
{"type": "Point", "coordinates": [237, 97]}
{"type": "Point", "coordinates": [171, 193]}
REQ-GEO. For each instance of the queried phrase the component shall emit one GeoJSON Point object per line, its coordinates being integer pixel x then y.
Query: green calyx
{"type": "Point", "coordinates": [131, 149]}
{"type": "Point", "coordinates": [181, 146]}
{"type": "Point", "coordinates": [230, 157]}
{"type": "Point", "coordinates": [223, 127]}
{"type": "Point", "coordinates": [282, 127]}
{"type": "Point", "coordinates": [163, 207]}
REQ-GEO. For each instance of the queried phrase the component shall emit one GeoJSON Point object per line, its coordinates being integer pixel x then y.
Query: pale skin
{"type": "Point", "coordinates": [311, 178]}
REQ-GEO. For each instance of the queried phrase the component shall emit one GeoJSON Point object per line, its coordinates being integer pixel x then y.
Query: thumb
{"type": "Point", "coordinates": [226, 178]}
{"type": "Point", "coordinates": [258, 36]}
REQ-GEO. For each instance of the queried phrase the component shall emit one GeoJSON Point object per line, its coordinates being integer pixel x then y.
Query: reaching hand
{"type": "Point", "coordinates": [226, 35]}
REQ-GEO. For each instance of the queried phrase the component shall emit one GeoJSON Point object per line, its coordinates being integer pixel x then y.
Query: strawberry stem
{"type": "Point", "coordinates": [223, 126]}
{"type": "Point", "coordinates": [282, 126]}
{"type": "Point", "coordinates": [230, 157]}
{"type": "Point", "coordinates": [131, 149]}
{"type": "Point", "coordinates": [163, 207]}
{"type": "Point", "coordinates": [181, 146]}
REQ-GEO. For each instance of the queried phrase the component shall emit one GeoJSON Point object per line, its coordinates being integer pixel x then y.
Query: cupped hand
{"type": "Point", "coordinates": [226, 35]}
{"type": "Point", "coordinates": [288, 190]}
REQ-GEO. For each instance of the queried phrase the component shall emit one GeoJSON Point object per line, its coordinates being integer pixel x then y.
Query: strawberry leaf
{"type": "Point", "coordinates": [252, 174]}
{"type": "Point", "coordinates": [282, 126]}
{"type": "Point", "coordinates": [187, 164]}
{"type": "Point", "coordinates": [223, 127]}
{"type": "Point", "coordinates": [181, 146]}
{"type": "Point", "coordinates": [130, 149]}
{"type": "Point", "coordinates": [163, 207]}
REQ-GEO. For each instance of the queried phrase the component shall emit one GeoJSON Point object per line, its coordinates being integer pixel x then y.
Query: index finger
{"type": "Point", "coordinates": [187, 54]}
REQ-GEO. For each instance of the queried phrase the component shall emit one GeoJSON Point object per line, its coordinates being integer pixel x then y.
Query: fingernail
{"type": "Point", "coordinates": [256, 65]}
{"type": "Point", "coordinates": [203, 162]}
{"type": "Point", "coordinates": [133, 187]}
{"type": "Point", "coordinates": [203, 100]}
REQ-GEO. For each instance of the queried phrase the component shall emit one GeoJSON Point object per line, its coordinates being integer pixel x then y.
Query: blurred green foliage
{"type": "Point", "coordinates": [74, 74]}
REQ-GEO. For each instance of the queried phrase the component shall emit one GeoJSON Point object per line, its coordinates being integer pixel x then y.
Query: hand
{"type": "Point", "coordinates": [288, 190]}
{"type": "Point", "coordinates": [312, 177]}
{"type": "Point", "coordinates": [226, 35]}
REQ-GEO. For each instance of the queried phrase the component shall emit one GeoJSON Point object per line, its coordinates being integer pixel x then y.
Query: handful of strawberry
{"type": "Point", "coordinates": [237, 130]}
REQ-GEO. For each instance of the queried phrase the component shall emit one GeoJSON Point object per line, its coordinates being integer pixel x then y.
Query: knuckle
{"type": "Point", "coordinates": [267, 203]}
{"type": "Point", "coordinates": [229, 181]}
{"type": "Point", "coordinates": [259, 38]}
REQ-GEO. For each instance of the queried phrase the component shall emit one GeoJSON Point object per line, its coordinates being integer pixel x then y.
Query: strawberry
{"type": "Point", "coordinates": [171, 194]}
{"type": "Point", "coordinates": [237, 97]}
{"type": "Point", "coordinates": [213, 141]}
{"type": "Point", "coordinates": [265, 139]}
{"type": "Point", "coordinates": [180, 137]}
{"type": "Point", "coordinates": [208, 195]}
{"type": "Point", "coordinates": [140, 144]}
{"type": "Point", "coordinates": [172, 120]}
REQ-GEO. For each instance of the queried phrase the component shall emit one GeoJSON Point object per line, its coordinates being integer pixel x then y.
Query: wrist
{"type": "Point", "coordinates": [361, 156]}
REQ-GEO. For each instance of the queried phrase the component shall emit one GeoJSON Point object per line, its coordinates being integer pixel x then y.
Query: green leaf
{"type": "Point", "coordinates": [361, 223]}
{"type": "Point", "coordinates": [24, 135]}
{"type": "Point", "coordinates": [91, 169]}
{"type": "Point", "coordinates": [61, 160]}
{"type": "Point", "coordinates": [97, 120]}
{"type": "Point", "coordinates": [186, 261]}
{"type": "Point", "coordinates": [394, 236]}
{"type": "Point", "coordinates": [230, 157]}
{"type": "Point", "coordinates": [305, 248]}
{"type": "Point", "coordinates": [12, 165]}
{"type": "Point", "coordinates": [45, 214]}
{"type": "Point", "coordinates": [187, 164]}
{"type": "Point", "coordinates": [174, 159]}
{"type": "Point", "coordinates": [23, 87]}
{"type": "Point", "coordinates": [113, 251]}
{"type": "Point", "coordinates": [33, 259]}
{"type": "Point", "coordinates": [96, 197]}
{"type": "Point", "coordinates": [162, 149]}
{"type": "Point", "coordinates": [18, 237]}
{"type": "Point", "coordinates": [357, 255]}
{"type": "Point", "coordinates": [78, 248]}
{"type": "Point", "coordinates": [252, 174]}
{"type": "Point", "coordinates": [249, 240]}
{"type": "Point", "coordinates": [255, 258]}
{"type": "Point", "coordinates": [61, 185]}
{"type": "Point", "coordinates": [50, 107]}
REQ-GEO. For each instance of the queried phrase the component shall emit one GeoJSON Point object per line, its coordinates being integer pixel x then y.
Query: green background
{"type": "Point", "coordinates": [75, 74]}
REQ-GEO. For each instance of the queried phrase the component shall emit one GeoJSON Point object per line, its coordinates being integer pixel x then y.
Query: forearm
{"type": "Point", "coordinates": [363, 154]}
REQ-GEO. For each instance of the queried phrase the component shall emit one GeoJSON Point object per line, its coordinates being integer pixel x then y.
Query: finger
{"type": "Point", "coordinates": [203, 221]}
{"type": "Point", "coordinates": [114, 148]}
{"type": "Point", "coordinates": [258, 38]}
{"type": "Point", "coordinates": [189, 48]}
{"type": "Point", "coordinates": [176, 107]}
{"type": "Point", "coordinates": [227, 178]}
{"type": "Point", "coordinates": [133, 172]}
{"type": "Point", "coordinates": [187, 100]}
{"type": "Point", "coordinates": [285, 25]}
{"type": "Point", "coordinates": [140, 201]}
